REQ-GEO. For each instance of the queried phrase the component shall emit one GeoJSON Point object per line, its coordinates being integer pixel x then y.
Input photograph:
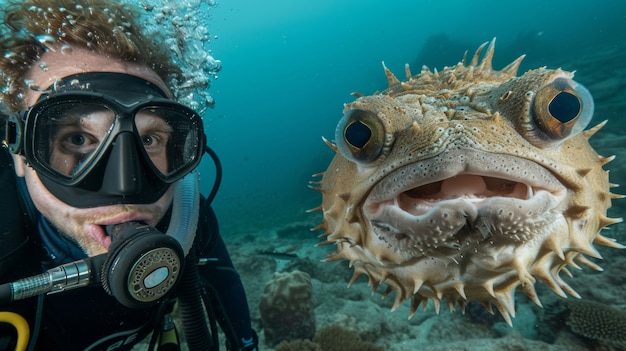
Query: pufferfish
{"type": "Point", "coordinates": [467, 184]}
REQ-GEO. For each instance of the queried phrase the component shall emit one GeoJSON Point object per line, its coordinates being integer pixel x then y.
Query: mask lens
{"type": "Point", "coordinates": [67, 137]}
{"type": "Point", "coordinates": [73, 134]}
{"type": "Point", "coordinates": [171, 138]}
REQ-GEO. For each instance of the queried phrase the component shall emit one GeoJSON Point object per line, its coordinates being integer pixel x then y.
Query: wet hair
{"type": "Point", "coordinates": [105, 27]}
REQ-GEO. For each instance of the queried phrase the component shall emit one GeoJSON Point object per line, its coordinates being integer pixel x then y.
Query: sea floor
{"type": "Point", "coordinates": [259, 254]}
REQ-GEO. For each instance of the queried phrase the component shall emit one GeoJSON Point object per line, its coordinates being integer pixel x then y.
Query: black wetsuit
{"type": "Point", "coordinates": [88, 318]}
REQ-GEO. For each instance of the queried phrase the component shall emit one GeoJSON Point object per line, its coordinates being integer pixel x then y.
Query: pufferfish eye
{"type": "Point", "coordinates": [360, 135]}
{"type": "Point", "coordinates": [562, 108]}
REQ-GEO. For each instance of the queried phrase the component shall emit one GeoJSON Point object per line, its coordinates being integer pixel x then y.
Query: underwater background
{"type": "Point", "coordinates": [288, 66]}
{"type": "Point", "coordinates": [287, 69]}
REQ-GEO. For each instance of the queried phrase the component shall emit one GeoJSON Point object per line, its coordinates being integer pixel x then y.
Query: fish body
{"type": "Point", "coordinates": [467, 184]}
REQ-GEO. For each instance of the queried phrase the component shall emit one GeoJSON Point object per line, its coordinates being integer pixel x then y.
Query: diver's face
{"type": "Point", "coordinates": [85, 225]}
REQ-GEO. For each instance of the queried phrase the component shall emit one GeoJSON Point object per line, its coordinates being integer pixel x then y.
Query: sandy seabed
{"type": "Point", "coordinates": [370, 316]}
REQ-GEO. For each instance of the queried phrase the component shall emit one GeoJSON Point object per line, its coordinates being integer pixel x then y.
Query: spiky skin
{"type": "Point", "coordinates": [461, 128]}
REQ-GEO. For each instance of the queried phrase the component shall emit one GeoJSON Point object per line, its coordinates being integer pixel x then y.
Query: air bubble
{"type": "Point", "coordinates": [66, 49]}
{"type": "Point", "coordinates": [11, 57]}
{"type": "Point", "coordinates": [183, 29]}
{"type": "Point", "coordinates": [46, 40]}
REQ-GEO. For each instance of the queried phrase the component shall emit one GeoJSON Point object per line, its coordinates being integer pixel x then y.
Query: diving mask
{"type": "Point", "coordinates": [106, 138]}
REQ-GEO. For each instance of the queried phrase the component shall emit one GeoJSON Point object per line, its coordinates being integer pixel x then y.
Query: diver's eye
{"type": "Point", "coordinates": [562, 108]}
{"type": "Point", "coordinates": [360, 135]}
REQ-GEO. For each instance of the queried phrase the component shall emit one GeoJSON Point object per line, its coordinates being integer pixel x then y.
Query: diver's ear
{"type": "Point", "coordinates": [19, 163]}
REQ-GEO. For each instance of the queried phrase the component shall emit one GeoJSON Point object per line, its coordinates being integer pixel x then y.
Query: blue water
{"type": "Point", "coordinates": [288, 66]}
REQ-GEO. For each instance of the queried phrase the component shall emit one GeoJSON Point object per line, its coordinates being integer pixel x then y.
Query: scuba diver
{"type": "Point", "coordinates": [104, 236]}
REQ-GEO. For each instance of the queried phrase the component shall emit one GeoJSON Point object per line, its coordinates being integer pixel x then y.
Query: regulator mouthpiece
{"type": "Point", "coordinates": [142, 266]}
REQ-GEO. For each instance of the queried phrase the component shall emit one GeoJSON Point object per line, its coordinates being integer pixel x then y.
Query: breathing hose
{"type": "Point", "coordinates": [191, 309]}
{"type": "Point", "coordinates": [185, 211]}
{"type": "Point", "coordinates": [20, 324]}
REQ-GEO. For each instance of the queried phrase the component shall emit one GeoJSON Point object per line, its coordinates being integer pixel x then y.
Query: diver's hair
{"type": "Point", "coordinates": [105, 27]}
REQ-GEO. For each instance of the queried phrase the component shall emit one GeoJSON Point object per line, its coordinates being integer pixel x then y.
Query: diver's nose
{"type": "Point", "coordinates": [123, 174]}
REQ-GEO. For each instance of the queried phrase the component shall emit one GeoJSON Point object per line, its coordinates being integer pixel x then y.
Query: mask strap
{"type": "Point", "coordinates": [12, 131]}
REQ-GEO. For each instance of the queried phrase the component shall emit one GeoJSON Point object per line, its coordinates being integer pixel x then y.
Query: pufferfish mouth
{"type": "Point", "coordinates": [462, 198]}
{"type": "Point", "coordinates": [471, 187]}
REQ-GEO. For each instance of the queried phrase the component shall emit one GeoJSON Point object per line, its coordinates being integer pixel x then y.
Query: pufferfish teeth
{"type": "Point", "coordinates": [460, 223]}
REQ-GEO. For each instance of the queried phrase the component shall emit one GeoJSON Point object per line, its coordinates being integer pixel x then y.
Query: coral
{"type": "Point", "coordinates": [337, 338]}
{"type": "Point", "coordinates": [597, 321]}
{"type": "Point", "coordinates": [287, 308]}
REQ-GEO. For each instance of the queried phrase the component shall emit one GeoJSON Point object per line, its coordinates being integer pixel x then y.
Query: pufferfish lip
{"type": "Point", "coordinates": [466, 173]}
{"type": "Point", "coordinates": [433, 199]}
